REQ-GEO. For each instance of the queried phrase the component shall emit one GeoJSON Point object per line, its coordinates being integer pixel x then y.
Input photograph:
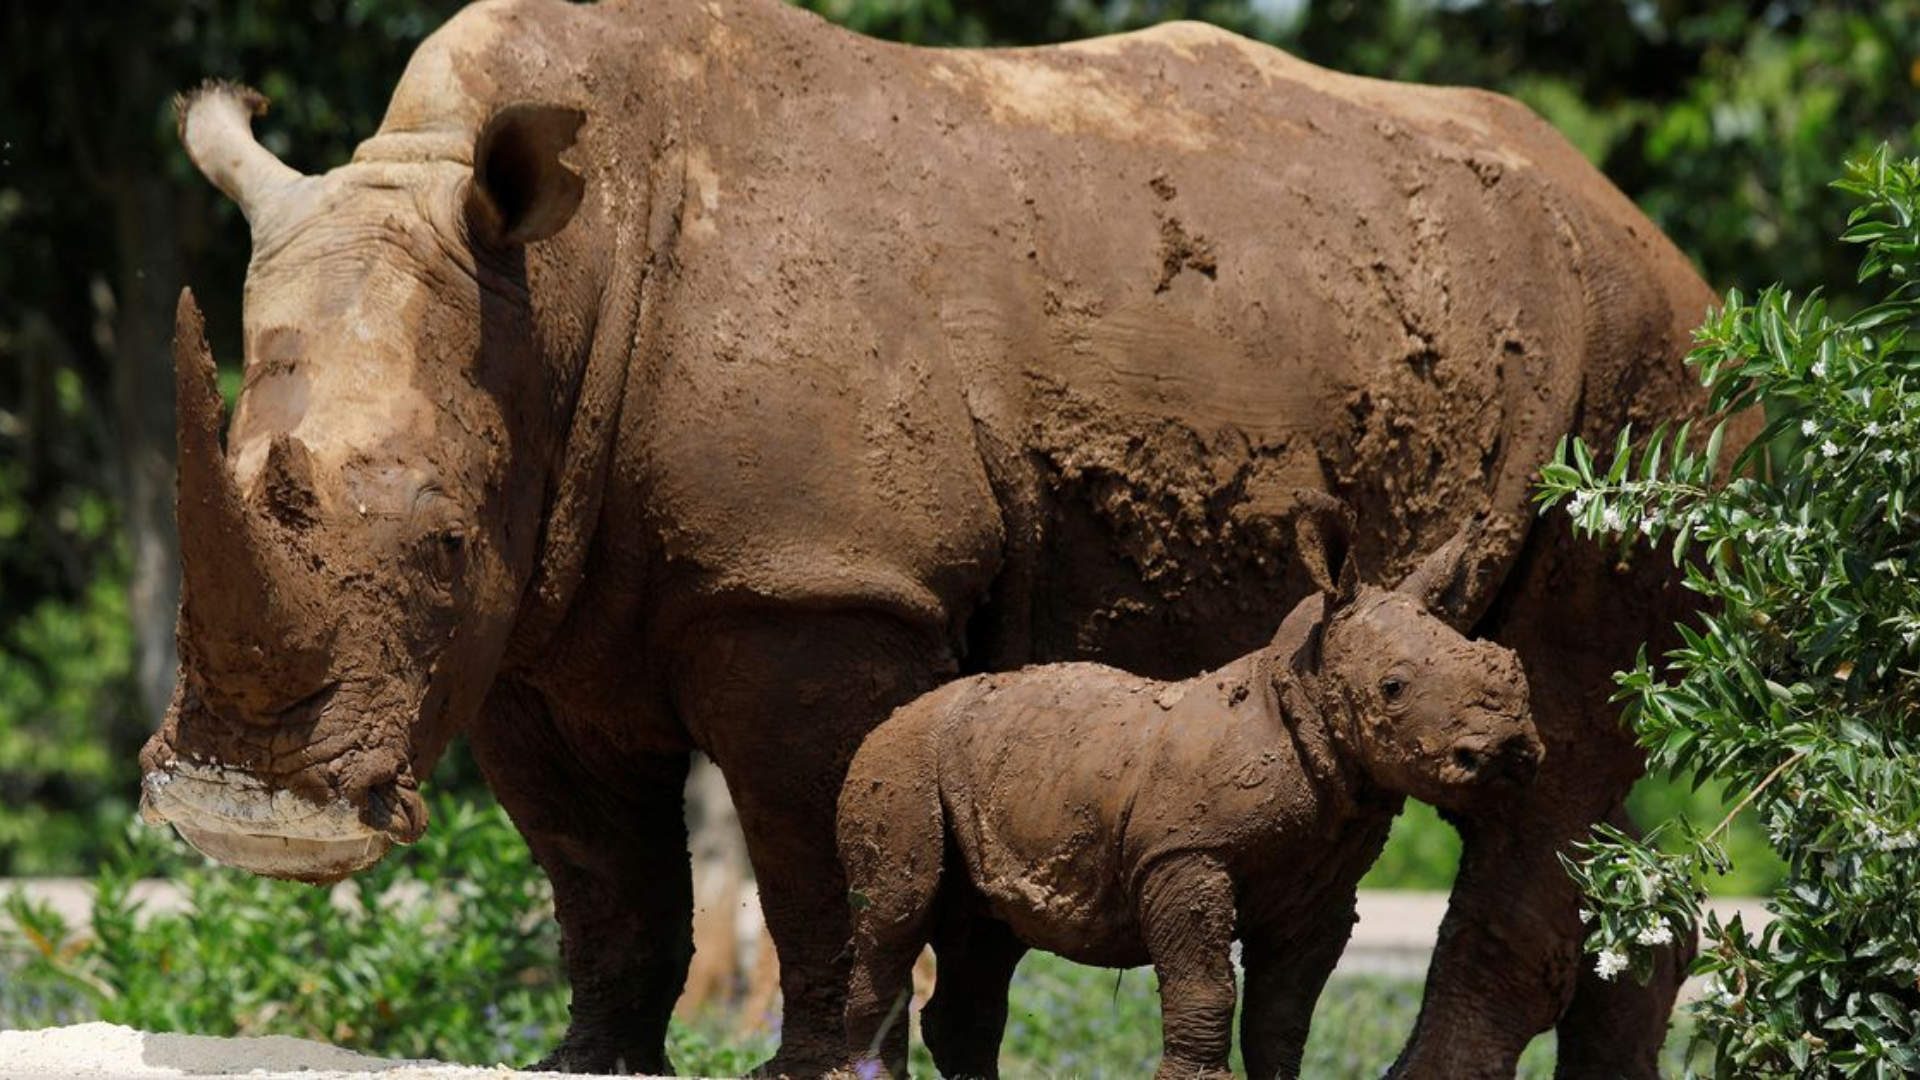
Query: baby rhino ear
{"type": "Point", "coordinates": [1323, 538]}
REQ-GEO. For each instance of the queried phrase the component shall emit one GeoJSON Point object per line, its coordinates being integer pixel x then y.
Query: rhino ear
{"type": "Point", "coordinates": [1323, 537]}
{"type": "Point", "coordinates": [522, 191]}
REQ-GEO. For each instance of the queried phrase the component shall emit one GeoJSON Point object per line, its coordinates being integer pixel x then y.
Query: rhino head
{"type": "Point", "coordinates": [1421, 709]}
{"type": "Point", "coordinates": [353, 556]}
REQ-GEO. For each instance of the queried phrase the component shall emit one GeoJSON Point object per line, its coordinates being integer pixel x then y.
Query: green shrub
{"type": "Point", "coordinates": [69, 722]}
{"type": "Point", "coordinates": [444, 950]}
{"type": "Point", "coordinates": [1799, 689]}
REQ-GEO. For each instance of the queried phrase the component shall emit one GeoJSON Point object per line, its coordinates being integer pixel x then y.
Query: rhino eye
{"type": "Point", "coordinates": [1393, 687]}
{"type": "Point", "coordinates": [448, 546]}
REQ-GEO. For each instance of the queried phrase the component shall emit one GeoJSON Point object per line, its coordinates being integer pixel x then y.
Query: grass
{"type": "Point", "coordinates": [399, 978]}
{"type": "Point", "coordinates": [1067, 1021]}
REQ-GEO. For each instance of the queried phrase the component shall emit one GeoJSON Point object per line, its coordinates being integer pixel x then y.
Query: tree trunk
{"type": "Point", "coordinates": [148, 281]}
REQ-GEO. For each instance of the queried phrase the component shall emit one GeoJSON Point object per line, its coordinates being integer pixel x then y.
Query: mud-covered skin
{"type": "Point", "coordinates": [848, 367]}
{"type": "Point", "coordinates": [1121, 821]}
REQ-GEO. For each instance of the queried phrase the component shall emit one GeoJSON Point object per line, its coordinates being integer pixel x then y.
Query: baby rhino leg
{"type": "Point", "coordinates": [967, 1017]}
{"type": "Point", "coordinates": [1187, 914]}
{"type": "Point", "coordinates": [1287, 968]}
{"type": "Point", "coordinates": [892, 839]}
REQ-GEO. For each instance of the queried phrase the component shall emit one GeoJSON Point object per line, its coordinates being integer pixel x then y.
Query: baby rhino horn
{"type": "Point", "coordinates": [1452, 583]}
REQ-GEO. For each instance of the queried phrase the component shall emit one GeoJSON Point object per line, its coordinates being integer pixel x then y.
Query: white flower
{"type": "Point", "coordinates": [1830, 449]}
{"type": "Point", "coordinates": [1609, 964]}
{"type": "Point", "coordinates": [1831, 866]}
{"type": "Point", "coordinates": [1720, 992]}
{"type": "Point", "coordinates": [1809, 428]}
{"type": "Point", "coordinates": [1578, 506]}
{"type": "Point", "coordinates": [1777, 830]}
{"type": "Point", "coordinates": [1649, 523]}
{"type": "Point", "coordinates": [1585, 916]}
{"type": "Point", "coordinates": [1611, 521]}
{"type": "Point", "coordinates": [1883, 456]}
{"type": "Point", "coordinates": [1658, 933]}
{"type": "Point", "coordinates": [1872, 429]}
{"type": "Point", "coordinates": [1819, 369]}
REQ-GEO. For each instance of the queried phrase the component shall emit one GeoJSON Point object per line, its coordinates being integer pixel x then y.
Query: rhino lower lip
{"type": "Point", "coordinates": [214, 799]}
{"type": "Point", "coordinates": [313, 861]}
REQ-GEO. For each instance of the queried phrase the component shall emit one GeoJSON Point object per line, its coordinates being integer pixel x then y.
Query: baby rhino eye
{"type": "Point", "coordinates": [1392, 687]}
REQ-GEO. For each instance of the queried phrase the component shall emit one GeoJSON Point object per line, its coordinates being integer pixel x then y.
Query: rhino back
{"type": "Point", "coordinates": [1058, 329]}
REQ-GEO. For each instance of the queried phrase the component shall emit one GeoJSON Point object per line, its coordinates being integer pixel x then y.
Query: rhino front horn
{"type": "Point", "coordinates": [240, 594]}
{"type": "Point", "coordinates": [215, 124]}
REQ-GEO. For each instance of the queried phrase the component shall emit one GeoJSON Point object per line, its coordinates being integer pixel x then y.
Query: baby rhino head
{"type": "Point", "coordinates": [1420, 708]}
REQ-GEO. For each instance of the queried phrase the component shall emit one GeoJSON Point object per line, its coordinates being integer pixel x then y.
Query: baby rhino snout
{"type": "Point", "coordinates": [1512, 761]}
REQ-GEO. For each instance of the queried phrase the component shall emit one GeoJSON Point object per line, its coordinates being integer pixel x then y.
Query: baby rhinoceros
{"type": "Point", "coordinates": [1118, 821]}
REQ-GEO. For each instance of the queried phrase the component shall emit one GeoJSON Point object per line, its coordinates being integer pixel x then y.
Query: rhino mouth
{"type": "Point", "coordinates": [234, 818]}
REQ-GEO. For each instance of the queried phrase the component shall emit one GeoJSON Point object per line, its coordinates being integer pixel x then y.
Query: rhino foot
{"type": "Point", "coordinates": [801, 1066]}
{"type": "Point", "coordinates": [594, 1057]}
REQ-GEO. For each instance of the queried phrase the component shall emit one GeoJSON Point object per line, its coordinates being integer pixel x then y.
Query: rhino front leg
{"type": "Point", "coordinates": [1286, 970]}
{"type": "Point", "coordinates": [1508, 963]}
{"type": "Point", "coordinates": [1186, 914]}
{"type": "Point", "coordinates": [1616, 1028]}
{"type": "Point", "coordinates": [1503, 968]}
{"type": "Point", "coordinates": [781, 702]}
{"type": "Point", "coordinates": [610, 832]}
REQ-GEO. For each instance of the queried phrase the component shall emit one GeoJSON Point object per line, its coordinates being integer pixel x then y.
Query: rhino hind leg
{"type": "Point", "coordinates": [892, 845]}
{"type": "Point", "coordinates": [967, 1017]}
{"type": "Point", "coordinates": [781, 701]}
{"type": "Point", "coordinates": [622, 880]}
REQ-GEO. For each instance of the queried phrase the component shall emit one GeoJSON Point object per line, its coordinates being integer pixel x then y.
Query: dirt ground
{"type": "Point", "coordinates": [109, 1050]}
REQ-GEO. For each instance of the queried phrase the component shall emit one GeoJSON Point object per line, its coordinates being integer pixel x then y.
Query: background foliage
{"type": "Point", "coordinates": [1721, 117]}
{"type": "Point", "coordinates": [444, 950]}
{"type": "Point", "coordinates": [1797, 689]}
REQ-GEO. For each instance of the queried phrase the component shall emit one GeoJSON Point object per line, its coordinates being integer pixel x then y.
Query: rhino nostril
{"type": "Point", "coordinates": [1466, 760]}
{"type": "Point", "coordinates": [394, 807]}
{"type": "Point", "coordinates": [1520, 759]}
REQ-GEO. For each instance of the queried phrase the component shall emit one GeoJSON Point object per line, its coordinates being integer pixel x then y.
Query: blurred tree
{"type": "Point", "coordinates": [1723, 119]}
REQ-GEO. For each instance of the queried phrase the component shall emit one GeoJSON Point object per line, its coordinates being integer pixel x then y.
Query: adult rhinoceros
{"type": "Point", "coordinates": [691, 374]}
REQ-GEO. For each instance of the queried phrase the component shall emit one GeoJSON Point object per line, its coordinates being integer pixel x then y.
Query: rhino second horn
{"type": "Point", "coordinates": [287, 481]}
{"type": "Point", "coordinates": [215, 124]}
